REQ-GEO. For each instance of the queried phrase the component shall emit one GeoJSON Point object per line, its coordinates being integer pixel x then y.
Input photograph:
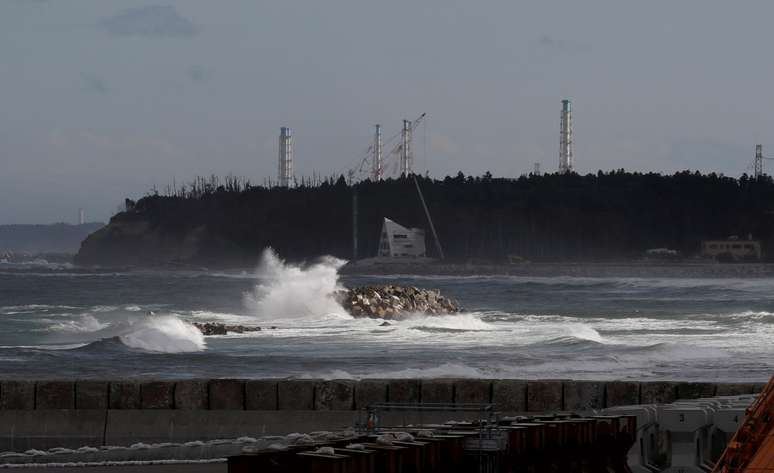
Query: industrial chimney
{"type": "Point", "coordinates": [566, 160]}
{"type": "Point", "coordinates": [285, 174]}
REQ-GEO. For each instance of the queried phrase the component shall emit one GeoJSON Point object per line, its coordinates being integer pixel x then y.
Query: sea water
{"type": "Point", "coordinates": [62, 322]}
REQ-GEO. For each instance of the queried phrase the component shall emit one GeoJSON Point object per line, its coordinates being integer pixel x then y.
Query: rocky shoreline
{"type": "Point", "coordinates": [376, 302]}
{"type": "Point", "coordinates": [395, 302]}
{"type": "Point", "coordinates": [215, 328]}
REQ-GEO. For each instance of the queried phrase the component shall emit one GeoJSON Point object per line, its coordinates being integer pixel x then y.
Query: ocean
{"type": "Point", "coordinates": [57, 321]}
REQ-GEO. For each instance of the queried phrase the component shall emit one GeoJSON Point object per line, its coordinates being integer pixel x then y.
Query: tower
{"type": "Point", "coordinates": [758, 161]}
{"type": "Point", "coordinates": [536, 172]}
{"type": "Point", "coordinates": [81, 217]}
{"type": "Point", "coordinates": [405, 150]}
{"type": "Point", "coordinates": [377, 174]}
{"type": "Point", "coordinates": [285, 173]}
{"type": "Point", "coordinates": [566, 159]}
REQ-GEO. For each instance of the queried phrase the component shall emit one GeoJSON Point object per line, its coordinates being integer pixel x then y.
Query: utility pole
{"type": "Point", "coordinates": [354, 224]}
{"type": "Point", "coordinates": [429, 220]}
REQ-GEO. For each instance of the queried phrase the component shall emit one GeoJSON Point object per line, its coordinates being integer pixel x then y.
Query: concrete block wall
{"type": "Point", "coordinates": [510, 395]}
{"type": "Point", "coordinates": [46, 414]}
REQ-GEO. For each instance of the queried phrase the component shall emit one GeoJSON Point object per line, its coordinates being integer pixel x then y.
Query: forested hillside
{"type": "Point", "coordinates": [548, 217]}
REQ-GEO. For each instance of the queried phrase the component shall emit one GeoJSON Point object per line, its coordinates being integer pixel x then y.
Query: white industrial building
{"type": "Point", "coordinates": [399, 241]}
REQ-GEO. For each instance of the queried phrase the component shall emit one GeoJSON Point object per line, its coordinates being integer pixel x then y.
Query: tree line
{"type": "Point", "coordinates": [607, 215]}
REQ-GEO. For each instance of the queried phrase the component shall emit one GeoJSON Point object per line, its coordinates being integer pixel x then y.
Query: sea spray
{"type": "Point", "coordinates": [286, 291]}
{"type": "Point", "coordinates": [85, 324]}
{"type": "Point", "coordinates": [164, 334]}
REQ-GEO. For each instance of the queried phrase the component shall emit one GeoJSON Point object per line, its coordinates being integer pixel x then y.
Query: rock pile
{"type": "Point", "coordinates": [214, 328]}
{"type": "Point", "coordinates": [395, 302]}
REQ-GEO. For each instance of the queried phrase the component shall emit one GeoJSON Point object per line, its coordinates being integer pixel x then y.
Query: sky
{"type": "Point", "coordinates": [105, 99]}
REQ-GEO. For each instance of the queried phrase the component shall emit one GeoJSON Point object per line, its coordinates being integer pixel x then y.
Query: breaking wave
{"type": "Point", "coordinates": [164, 334]}
{"type": "Point", "coordinates": [286, 291]}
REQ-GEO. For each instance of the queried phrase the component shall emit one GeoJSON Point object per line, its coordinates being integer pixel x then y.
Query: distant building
{"type": "Point", "coordinates": [731, 249]}
{"type": "Point", "coordinates": [399, 241]}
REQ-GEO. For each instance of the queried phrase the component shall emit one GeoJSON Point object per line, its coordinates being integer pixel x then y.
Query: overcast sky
{"type": "Point", "coordinates": [103, 99]}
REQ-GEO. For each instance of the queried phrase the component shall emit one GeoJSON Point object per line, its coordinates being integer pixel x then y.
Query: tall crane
{"type": "Point", "coordinates": [375, 159]}
{"type": "Point", "coordinates": [404, 147]}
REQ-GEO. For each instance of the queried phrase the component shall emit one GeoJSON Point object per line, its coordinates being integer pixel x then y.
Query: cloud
{"type": "Point", "coordinates": [149, 21]}
{"type": "Point", "coordinates": [93, 83]}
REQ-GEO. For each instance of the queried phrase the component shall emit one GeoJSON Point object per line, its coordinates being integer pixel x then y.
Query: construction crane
{"type": "Point", "coordinates": [758, 162]}
{"type": "Point", "coordinates": [404, 149]}
{"type": "Point", "coordinates": [752, 448]}
{"type": "Point", "coordinates": [374, 161]}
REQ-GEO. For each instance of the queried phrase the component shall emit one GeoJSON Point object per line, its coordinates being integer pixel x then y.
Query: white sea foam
{"type": "Point", "coordinates": [86, 323]}
{"type": "Point", "coordinates": [165, 334]}
{"type": "Point", "coordinates": [584, 332]}
{"type": "Point", "coordinates": [286, 291]}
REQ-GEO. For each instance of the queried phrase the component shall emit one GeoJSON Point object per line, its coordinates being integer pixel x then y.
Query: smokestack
{"type": "Point", "coordinates": [285, 172]}
{"type": "Point", "coordinates": [566, 159]}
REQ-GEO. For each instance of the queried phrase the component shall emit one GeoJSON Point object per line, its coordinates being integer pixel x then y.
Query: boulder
{"type": "Point", "coordinates": [395, 302]}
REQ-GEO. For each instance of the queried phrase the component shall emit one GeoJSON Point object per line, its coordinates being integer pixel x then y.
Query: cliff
{"type": "Point", "coordinates": [549, 217]}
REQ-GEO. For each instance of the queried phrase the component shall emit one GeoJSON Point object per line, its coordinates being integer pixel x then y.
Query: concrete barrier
{"type": "Point", "coordinates": [124, 395]}
{"type": "Point", "coordinates": [544, 396]}
{"type": "Point", "coordinates": [17, 395]}
{"type": "Point", "coordinates": [337, 395]}
{"type": "Point", "coordinates": [437, 390]}
{"type": "Point", "coordinates": [658, 392]}
{"type": "Point", "coordinates": [370, 391]}
{"type": "Point", "coordinates": [157, 395]}
{"type": "Point", "coordinates": [296, 395]}
{"type": "Point", "coordinates": [261, 395]}
{"type": "Point", "coordinates": [192, 394]}
{"type": "Point", "coordinates": [91, 394]}
{"type": "Point", "coordinates": [472, 391]}
{"type": "Point", "coordinates": [55, 395]}
{"type": "Point", "coordinates": [199, 409]}
{"type": "Point", "coordinates": [403, 390]}
{"type": "Point", "coordinates": [227, 394]}
{"type": "Point", "coordinates": [21, 430]}
{"type": "Point", "coordinates": [125, 427]}
{"type": "Point", "coordinates": [622, 393]}
{"type": "Point", "coordinates": [510, 395]}
{"type": "Point", "coordinates": [584, 395]}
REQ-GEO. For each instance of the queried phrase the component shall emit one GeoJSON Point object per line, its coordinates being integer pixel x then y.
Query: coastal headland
{"type": "Point", "coordinates": [554, 217]}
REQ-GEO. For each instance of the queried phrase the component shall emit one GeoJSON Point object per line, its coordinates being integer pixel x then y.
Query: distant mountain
{"type": "Point", "coordinates": [54, 238]}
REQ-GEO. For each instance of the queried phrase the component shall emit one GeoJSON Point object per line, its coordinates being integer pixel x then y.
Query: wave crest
{"type": "Point", "coordinates": [164, 334]}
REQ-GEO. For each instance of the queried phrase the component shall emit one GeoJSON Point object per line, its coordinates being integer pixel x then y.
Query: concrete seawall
{"type": "Point", "coordinates": [46, 414]}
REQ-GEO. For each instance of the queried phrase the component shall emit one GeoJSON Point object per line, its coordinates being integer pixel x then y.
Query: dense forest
{"type": "Point", "coordinates": [608, 215]}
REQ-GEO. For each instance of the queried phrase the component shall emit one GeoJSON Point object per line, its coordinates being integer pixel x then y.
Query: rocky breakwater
{"type": "Point", "coordinates": [395, 302]}
{"type": "Point", "coordinates": [215, 328]}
